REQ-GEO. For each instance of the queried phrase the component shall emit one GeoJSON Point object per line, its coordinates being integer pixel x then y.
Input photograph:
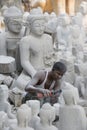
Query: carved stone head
{"type": "Point", "coordinates": [23, 115]}
{"type": "Point", "coordinates": [36, 22]}
{"type": "Point", "coordinates": [47, 114]}
{"type": "Point", "coordinates": [13, 19]}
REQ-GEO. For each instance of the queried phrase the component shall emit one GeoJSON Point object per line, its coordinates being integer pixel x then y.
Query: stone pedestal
{"type": "Point", "coordinates": [7, 64]}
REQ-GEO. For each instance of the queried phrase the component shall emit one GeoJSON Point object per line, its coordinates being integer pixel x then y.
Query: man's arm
{"type": "Point", "coordinates": [31, 86]}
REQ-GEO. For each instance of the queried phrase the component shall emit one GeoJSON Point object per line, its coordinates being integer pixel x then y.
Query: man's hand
{"type": "Point", "coordinates": [46, 93]}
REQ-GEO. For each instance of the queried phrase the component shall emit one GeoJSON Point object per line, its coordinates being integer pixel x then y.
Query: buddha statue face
{"type": "Point", "coordinates": [14, 25]}
{"type": "Point", "coordinates": [38, 27]}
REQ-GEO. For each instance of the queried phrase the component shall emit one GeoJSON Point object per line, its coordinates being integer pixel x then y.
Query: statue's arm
{"type": "Point", "coordinates": [25, 57]}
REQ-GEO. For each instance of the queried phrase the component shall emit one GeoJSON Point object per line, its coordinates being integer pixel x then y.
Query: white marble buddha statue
{"type": "Point", "coordinates": [77, 42]}
{"type": "Point", "coordinates": [3, 121]}
{"type": "Point", "coordinates": [63, 30]}
{"type": "Point", "coordinates": [71, 115]}
{"type": "Point", "coordinates": [35, 109]}
{"type": "Point", "coordinates": [23, 118]}
{"type": "Point", "coordinates": [14, 31]}
{"type": "Point", "coordinates": [4, 104]}
{"type": "Point", "coordinates": [62, 34]}
{"type": "Point", "coordinates": [36, 50]}
{"type": "Point", "coordinates": [47, 116]}
{"type": "Point", "coordinates": [83, 11]}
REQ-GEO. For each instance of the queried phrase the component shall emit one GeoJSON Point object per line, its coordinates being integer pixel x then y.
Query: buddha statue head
{"type": "Point", "coordinates": [36, 21]}
{"type": "Point", "coordinates": [13, 19]}
{"type": "Point", "coordinates": [69, 97]}
{"type": "Point", "coordinates": [23, 115]}
{"type": "Point", "coordinates": [47, 114]}
{"type": "Point", "coordinates": [35, 106]}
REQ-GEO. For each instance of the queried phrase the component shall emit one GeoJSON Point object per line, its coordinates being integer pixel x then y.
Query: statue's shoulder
{"type": "Point", "coordinates": [45, 35]}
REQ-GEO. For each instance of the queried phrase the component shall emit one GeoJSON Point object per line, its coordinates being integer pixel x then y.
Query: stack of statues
{"type": "Point", "coordinates": [35, 41]}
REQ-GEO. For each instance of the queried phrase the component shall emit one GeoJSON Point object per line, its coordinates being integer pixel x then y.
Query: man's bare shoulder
{"type": "Point", "coordinates": [41, 74]}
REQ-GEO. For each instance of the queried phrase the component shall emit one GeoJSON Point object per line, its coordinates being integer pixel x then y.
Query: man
{"type": "Point", "coordinates": [47, 83]}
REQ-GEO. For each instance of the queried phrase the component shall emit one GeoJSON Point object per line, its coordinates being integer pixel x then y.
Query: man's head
{"type": "Point", "coordinates": [59, 69]}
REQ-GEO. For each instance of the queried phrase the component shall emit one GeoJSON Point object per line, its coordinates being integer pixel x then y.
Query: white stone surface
{"type": "Point", "coordinates": [7, 64]}
{"type": "Point", "coordinates": [71, 116]}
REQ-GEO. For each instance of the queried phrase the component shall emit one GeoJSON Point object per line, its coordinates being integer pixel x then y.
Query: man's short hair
{"type": "Point", "coordinates": [59, 66]}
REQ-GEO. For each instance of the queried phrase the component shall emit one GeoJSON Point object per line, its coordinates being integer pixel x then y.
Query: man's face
{"type": "Point", "coordinates": [14, 25]}
{"type": "Point", "coordinates": [57, 74]}
{"type": "Point", "coordinates": [38, 27]}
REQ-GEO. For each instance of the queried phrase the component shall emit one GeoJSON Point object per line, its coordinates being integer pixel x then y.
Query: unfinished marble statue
{"type": "Point", "coordinates": [70, 74]}
{"type": "Point", "coordinates": [77, 42]}
{"type": "Point", "coordinates": [36, 50]}
{"type": "Point", "coordinates": [79, 81]}
{"type": "Point", "coordinates": [78, 20]}
{"type": "Point", "coordinates": [65, 86]}
{"type": "Point", "coordinates": [51, 23]}
{"type": "Point", "coordinates": [71, 116]}
{"type": "Point", "coordinates": [64, 29]}
{"type": "Point", "coordinates": [47, 116]}
{"type": "Point", "coordinates": [63, 32]}
{"type": "Point", "coordinates": [3, 121]}
{"type": "Point", "coordinates": [4, 104]}
{"type": "Point", "coordinates": [6, 91]}
{"type": "Point", "coordinates": [81, 78]}
{"type": "Point", "coordinates": [23, 118]}
{"type": "Point", "coordinates": [47, 16]}
{"type": "Point", "coordinates": [83, 11]}
{"type": "Point", "coordinates": [14, 32]}
{"type": "Point", "coordinates": [35, 109]}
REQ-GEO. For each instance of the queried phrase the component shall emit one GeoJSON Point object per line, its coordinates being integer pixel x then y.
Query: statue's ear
{"type": "Point", "coordinates": [74, 101]}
